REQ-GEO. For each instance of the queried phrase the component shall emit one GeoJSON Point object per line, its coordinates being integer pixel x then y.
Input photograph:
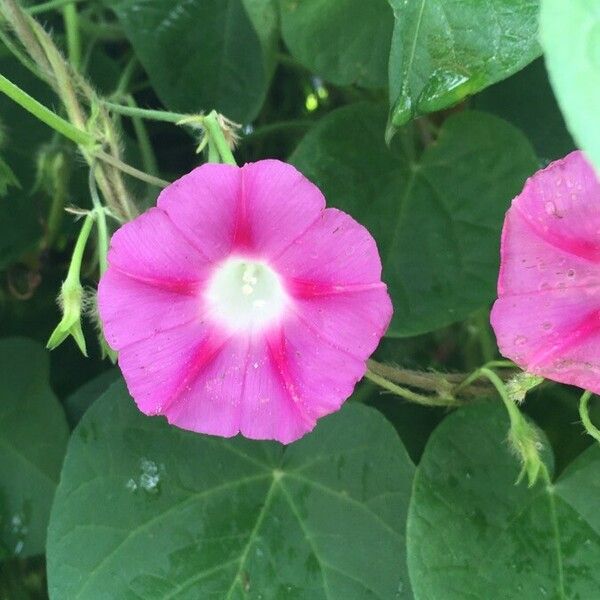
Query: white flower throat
{"type": "Point", "coordinates": [245, 294]}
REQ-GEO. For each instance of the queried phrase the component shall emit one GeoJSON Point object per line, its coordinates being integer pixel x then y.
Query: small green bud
{"type": "Point", "coordinates": [71, 302]}
{"type": "Point", "coordinates": [71, 297]}
{"type": "Point", "coordinates": [525, 441]}
{"type": "Point", "coordinates": [520, 384]}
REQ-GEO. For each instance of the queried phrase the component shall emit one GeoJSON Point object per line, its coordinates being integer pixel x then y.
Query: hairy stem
{"type": "Point", "coordinates": [146, 113]}
{"type": "Point", "coordinates": [409, 395]}
{"type": "Point", "coordinates": [125, 168]}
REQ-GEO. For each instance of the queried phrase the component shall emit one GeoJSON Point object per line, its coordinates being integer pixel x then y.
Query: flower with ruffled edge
{"type": "Point", "coordinates": [547, 316]}
{"type": "Point", "coordinates": [241, 304]}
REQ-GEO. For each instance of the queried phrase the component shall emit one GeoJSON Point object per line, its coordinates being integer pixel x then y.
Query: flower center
{"type": "Point", "coordinates": [245, 295]}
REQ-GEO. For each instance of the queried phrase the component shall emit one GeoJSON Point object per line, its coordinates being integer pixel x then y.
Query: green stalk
{"type": "Point", "coordinates": [60, 182]}
{"type": "Point", "coordinates": [522, 436]}
{"type": "Point", "coordinates": [408, 394]}
{"type": "Point", "coordinates": [145, 113]}
{"type": "Point", "coordinates": [48, 6]}
{"type": "Point", "coordinates": [73, 37]}
{"type": "Point", "coordinates": [584, 413]}
{"type": "Point", "coordinates": [74, 272]}
{"type": "Point", "coordinates": [125, 168]}
{"type": "Point", "coordinates": [141, 133]}
{"type": "Point", "coordinates": [216, 137]}
{"type": "Point", "coordinates": [38, 110]}
{"type": "Point", "coordinates": [100, 223]}
{"type": "Point", "coordinates": [487, 342]}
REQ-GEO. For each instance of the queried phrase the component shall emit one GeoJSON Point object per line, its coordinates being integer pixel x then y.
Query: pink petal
{"type": "Point", "coordinates": [151, 249]}
{"type": "Point", "coordinates": [318, 374]}
{"type": "Point", "coordinates": [547, 316]}
{"type": "Point", "coordinates": [277, 205]}
{"type": "Point", "coordinates": [203, 206]}
{"type": "Point", "coordinates": [159, 370]}
{"type": "Point", "coordinates": [132, 310]}
{"type": "Point", "coordinates": [354, 321]}
{"type": "Point", "coordinates": [553, 333]}
{"type": "Point", "coordinates": [335, 254]}
{"type": "Point", "coordinates": [210, 400]}
{"type": "Point", "coordinates": [240, 390]}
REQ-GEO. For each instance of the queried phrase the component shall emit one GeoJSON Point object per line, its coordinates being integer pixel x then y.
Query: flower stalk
{"type": "Point", "coordinates": [584, 413]}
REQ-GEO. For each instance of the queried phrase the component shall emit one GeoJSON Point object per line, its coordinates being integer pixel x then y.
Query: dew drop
{"type": "Point", "coordinates": [550, 208]}
{"type": "Point", "coordinates": [520, 340]}
{"type": "Point", "coordinates": [149, 478]}
{"type": "Point", "coordinates": [547, 325]}
{"type": "Point", "coordinates": [571, 273]}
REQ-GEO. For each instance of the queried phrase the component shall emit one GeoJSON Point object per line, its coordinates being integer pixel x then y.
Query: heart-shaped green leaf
{"type": "Point", "coordinates": [487, 537]}
{"type": "Point", "coordinates": [191, 516]}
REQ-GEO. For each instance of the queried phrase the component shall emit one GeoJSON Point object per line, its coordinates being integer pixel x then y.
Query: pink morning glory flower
{"type": "Point", "coordinates": [547, 316]}
{"type": "Point", "coordinates": [241, 304]}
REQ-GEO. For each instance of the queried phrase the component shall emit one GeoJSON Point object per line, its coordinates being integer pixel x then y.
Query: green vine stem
{"type": "Point", "coordinates": [213, 124]}
{"type": "Point", "coordinates": [584, 413]}
{"type": "Point", "coordinates": [422, 399]}
{"type": "Point", "coordinates": [150, 114]}
{"type": "Point", "coordinates": [141, 133]}
{"type": "Point", "coordinates": [73, 37]}
{"type": "Point", "coordinates": [60, 170]}
{"type": "Point", "coordinates": [51, 5]}
{"type": "Point", "coordinates": [38, 110]}
{"type": "Point", "coordinates": [125, 168]}
{"type": "Point", "coordinates": [443, 384]}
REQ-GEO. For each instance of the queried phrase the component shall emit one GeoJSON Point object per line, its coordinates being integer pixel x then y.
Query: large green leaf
{"type": "Point", "coordinates": [443, 50]}
{"type": "Point", "coordinates": [343, 41]}
{"type": "Point", "coordinates": [474, 533]}
{"type": "Point", "coordinates": [184, 515]}
{"type": "Point", "coordinates": [203, 54]}
{"type": "Point", "coordinates": [570, 36]}
{"type": "Point", "coordinates": [436, 218]}
{"type": "Point", "coordinates": [33, 439]}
